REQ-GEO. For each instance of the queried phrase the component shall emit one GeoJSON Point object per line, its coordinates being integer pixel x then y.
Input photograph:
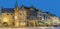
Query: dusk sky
{"type": "Point", "coordinates": [52, 6]}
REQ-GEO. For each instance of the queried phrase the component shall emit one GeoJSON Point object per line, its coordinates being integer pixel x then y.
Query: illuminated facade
{"type": "Point", "coordinates": [26, 17]}
{"type": "Point", "coordinates": [7, 16]}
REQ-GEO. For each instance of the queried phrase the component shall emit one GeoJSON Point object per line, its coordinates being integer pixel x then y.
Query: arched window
{"type": "Point", "coordinates": [45, 16]}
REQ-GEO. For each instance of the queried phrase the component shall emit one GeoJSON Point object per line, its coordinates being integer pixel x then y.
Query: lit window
{"type": "Point", "coordinates": [15, 17]}
{"type": "Point", "coordinates": [5, 19]}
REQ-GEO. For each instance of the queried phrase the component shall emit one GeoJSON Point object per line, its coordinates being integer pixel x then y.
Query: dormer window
{"type": "Point", "coordinates": [7, 14]}
{"type": "Point", "coordinates": [32, 7]}
{"type": "Point", "coordinates": [11, 14]}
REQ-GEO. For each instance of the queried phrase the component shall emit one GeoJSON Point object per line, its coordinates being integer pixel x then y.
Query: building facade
{"type": "Point", "coordinates": [26, 17]}
{"type": "Point", "coordinates": [7, 16]}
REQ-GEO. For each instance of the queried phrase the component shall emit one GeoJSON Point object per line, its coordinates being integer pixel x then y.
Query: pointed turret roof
{"type": "Point", "coordinates": [16, 5]}
{"type": "Point", "coordinates": [22, 6]}
{"type": "Point", "coordinates": [32, 8]}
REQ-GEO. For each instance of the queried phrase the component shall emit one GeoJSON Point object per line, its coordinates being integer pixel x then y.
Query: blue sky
{"type": "Point", "coordinates": [52, 6]}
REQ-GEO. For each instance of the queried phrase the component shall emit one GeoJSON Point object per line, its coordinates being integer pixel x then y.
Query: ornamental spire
{"type": "Point", "coordinates": [16, 4]}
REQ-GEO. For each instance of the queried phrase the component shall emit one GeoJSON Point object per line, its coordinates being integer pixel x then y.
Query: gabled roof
{"type": "Point", "coordinates": [7, 10]}
{"type": "Point", "coordinates": [27, 8]}
{"type": "Point", "coordinates": [50, 14]}
{"type": "Point", "coordinates": [24, 7]}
